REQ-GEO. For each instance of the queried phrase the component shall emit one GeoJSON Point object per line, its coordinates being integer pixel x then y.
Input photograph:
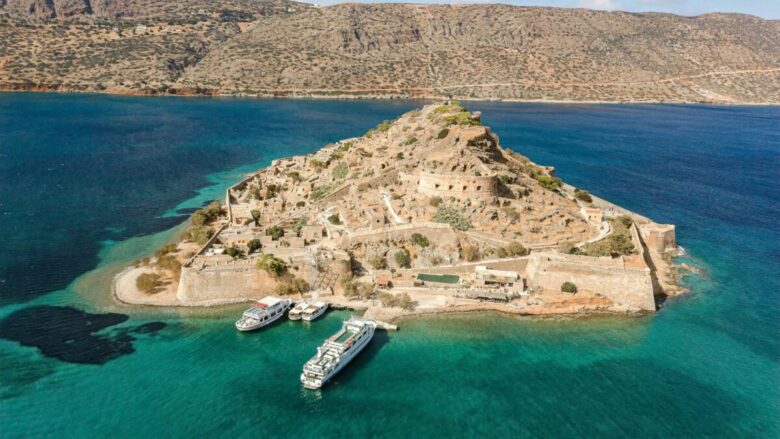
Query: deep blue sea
{"type": "Point", "coordinates": [89, 183]}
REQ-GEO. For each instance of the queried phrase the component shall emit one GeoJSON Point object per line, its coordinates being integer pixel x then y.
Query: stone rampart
{"type": "Point", "coordinates": [438, 232]}
{"type": "Point", "coordinates": [202, 286]}
{"type": "Point", "coordinates": [455, 185]}
{"type": "Point", "coordinates": [629, 288]}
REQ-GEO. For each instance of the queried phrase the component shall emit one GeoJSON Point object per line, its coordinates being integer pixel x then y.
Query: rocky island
{"type": "Point", "coordinates": [426, 213]}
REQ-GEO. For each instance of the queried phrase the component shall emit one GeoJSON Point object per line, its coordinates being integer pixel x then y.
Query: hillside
{"type": "Point", "coordinates": [471, 51]}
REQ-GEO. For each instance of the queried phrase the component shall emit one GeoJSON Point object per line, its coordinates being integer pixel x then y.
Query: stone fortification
{"type": "Point", "coordinates": [233, 282]}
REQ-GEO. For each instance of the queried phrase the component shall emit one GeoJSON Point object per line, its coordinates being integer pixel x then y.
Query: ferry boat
{"type": "Point", "coordinates": [314, 310]}
{"type": "Point", "coordinates": [295, 313]}
{"type": "Point", "coordinates": [337, 352]}
{"type": "Point", "coordinates": [262, 313]}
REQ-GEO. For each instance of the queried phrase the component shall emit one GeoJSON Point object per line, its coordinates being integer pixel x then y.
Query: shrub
{"type": "Point", "coordinates": [255, 216]}
{"type": "Point", "coordinates": [462, 118]}
{"type": "Point", "coordinates": [254, 245]}
{"type": "Point", "coordinates": [320, 191]}
{"type": "Point", "coordinates": [402, 258]}
{"type": "Point", "coordinates": [448, 215]}
{"type": "Point", "coordinates": [547, 182]}
{"type": "Point", "coordinates": [316, 164]}
{"type": "Point", "coordinates": [271, 264]}
{"type": "Point", "coordinates": [443, 133]}
{"type": "Point", "coordinates": [148, 282]}
{"type": "Point", "coordinates": [335, 219]}
{"type": "Point", "coordinates": [419, 240]}
{"type": "Point", "coordinates": [199, 234]}
{"type": "Point", "coordinates": [402, 300]}
{"type": "Point", "coordinates": [625, 220]}
{"type": "Point", "coordinates": [295, 175]}
{"type": "Point", "coordinates": [511, 213]}
{"type": "Point", "coordinates": [435, 201]}
{"type": "Point", "coordinates": [568, 287]}
{"type": "Point", "coordinates": [516, 249]}
{"type": "Point", "coordinates": [275, 232]}
{"type": "Point", "coordinates": [170, 263]}
{"type": "Point", "coordinates": [234, 252]}
{"type": "Point", "coordinates": [292, 285]}
{"type": "Point", "coordinates": [340, 171]}
{"type": "Point", "coordinates": [410, 140]}
{"type": "Point", "coordinates": [300, 204]}
{"type": "Point", "coordinates": [378, 262]}
{"type": "Point", "coordinates": [583, 196]}
{"type": "Point", "coordinates": [357, 290]}
{"type": "Point", "coordinates": [164, 250]}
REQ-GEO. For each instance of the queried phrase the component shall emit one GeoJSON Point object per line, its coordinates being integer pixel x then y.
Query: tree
{"type": "Point", "coordinates": [254, 245]}
{"type": "Point", "coordinates": [569, 287]}
{"type": "Point", "coordinates": [402, 258]}
{"type": "Point", "coordinates": [516, 249]}
{"type": "Point", "coordinates": [435, 201]}
{"type": "Point", "coordinates": [335, 219]}
{"type": "Point", "coordinates": [470, 253]}
{"type": "Point", "coordinates": [256, 216]}
{"type": "Point", "coordinates": [165, 249]}
{"type": "Point", "coordinates": [271, 264]}
{"type": "Point", "coordinates": [148, 282]}
{"type": "Point", "coordinates": [233, 252]}
{"type": "Point", "coordinates": [275, 232]}
{"type": "Point", "coordinates": [292, 285]}
{"type": "Point", "coordinates": [583, 196]}
{"type": "Point", "coordinates": [419, 240]}
{"type": "Point", "coordinates": [199, 234]}
{"type": "Point", "coordinates": [170, 263]}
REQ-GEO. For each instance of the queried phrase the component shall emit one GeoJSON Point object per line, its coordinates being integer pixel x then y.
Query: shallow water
{"type": "Point", "coordinates": [95, 181]}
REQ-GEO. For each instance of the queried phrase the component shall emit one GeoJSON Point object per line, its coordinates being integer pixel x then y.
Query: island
{"type": "Point", "coordinates": [423, 214]}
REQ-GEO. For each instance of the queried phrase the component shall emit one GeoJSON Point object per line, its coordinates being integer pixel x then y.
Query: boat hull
{"type": "Point", "coordinates": [357, 349]}
{"type": "Point", "coordinates": [260, 324]}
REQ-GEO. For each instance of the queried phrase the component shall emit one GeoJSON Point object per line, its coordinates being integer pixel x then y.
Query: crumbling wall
{"type": "Point", "coordinates": [202, 286]}
{"type": "Point", "coordinates": [458, 186]}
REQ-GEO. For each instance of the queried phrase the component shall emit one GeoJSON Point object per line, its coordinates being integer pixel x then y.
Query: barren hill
{"type": "Point", "coordinates": [472, 51]}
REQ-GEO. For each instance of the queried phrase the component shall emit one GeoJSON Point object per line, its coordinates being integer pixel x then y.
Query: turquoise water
{"type": "Point", "coordinates": [706, 365]}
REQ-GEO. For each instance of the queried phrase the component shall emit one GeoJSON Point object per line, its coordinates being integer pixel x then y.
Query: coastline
{"type": "Point", "coordinates": [9, 88]}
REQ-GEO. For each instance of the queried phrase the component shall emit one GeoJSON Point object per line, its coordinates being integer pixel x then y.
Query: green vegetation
{"type": "Point", "coordinates": [300, 204]}
{"type": "Point", "coordinates": [419, 240]}
{"type": "Point", "coordinates": [340, 171]}
{"type": "Point", "coordinates": [234, 252]}
{"type": "Point", "coordinates": [411, 140]}
{"type": "Point", "coordinates": [165, 249]}
{"type": "Point", "coordinates": [254, 245]}
{"type": "Point", "coordinates": [583, 196]}
{"type": "Point", "coordinates": [199, 234]}
{"type": "Point", "coordinates": [320, 191]}
{"type": "Point", "coordinates": [335, 219]}
{"type": "Point", "coordinates": [402, 300]}
{"type": "Point", "coordinates": [271, 264]}
{"type": "Point", "coordinates": [443, 133]}
{"type": "Point", "coordinates": [381, 128]}
{"type": "Point", "coordinates": [448, 215]}
{"type": "Point", "coordinates": [204, 216]}
{"type": "Point", "coordinates": [378, 262]}
{"type": "Point", "coordinates": [440, 278]}
{"type": "Point", "coordinates": [435, 201]}
{"type": "Point", "coordinates": [568, 287]}
{"type": "Point", "coordinates": [516, 249]}
{"type": "Point", "coordinates": [617, 244]}
{"type": "Point", "coordinates": [275, 232]}
{"type": "Point", "coordinates": [462, 118]}
{"type": "Point", "coordinates": [547, 182]}
{"type": "Point", "coordinates": [255, 216]}
{"type": "Point", "coordinates": [295, 176]}
{"type": "Point", "coordinates": [299, 223]}
{"type": "Point", "coordinates": [511, 213]}
{"type": "Point", "coordinates": [148, 282]}
{"type": "Point", "coordinates": [292, 285]}
{"type": "Point", "coordinates": [402, 258]}
{"type": "Point", "coordinates": [317, 164]}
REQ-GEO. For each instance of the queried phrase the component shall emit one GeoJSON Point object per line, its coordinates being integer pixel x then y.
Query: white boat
{"type": "Point", "coordinates": [337, 352]}
{"type": "Point", "coordinates": [262, 313]}
{"type": "Point", "coordinates": [295, 313]}
{"type": "Point", "coordinates": [314, 310]}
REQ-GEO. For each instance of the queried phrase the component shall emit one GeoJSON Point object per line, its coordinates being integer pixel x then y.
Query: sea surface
{"type": "Point", "coordinates": [89, 183]}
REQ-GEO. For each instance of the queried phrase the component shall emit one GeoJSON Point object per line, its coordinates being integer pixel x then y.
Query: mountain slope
{"type": "Point", "coordinates": [477, 51]}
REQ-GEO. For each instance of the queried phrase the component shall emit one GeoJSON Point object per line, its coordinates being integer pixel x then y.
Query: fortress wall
{"type": "Point", "coordinates": [458, 186]}
{"type": "Point", "coordinates": [388, 177]}
{"type": "Point", "coordinates": [627, 288]}
{"type": "Point", "coordinates": [202, 286]}
{"type": "Point", "coordinates": [658, 237]}
{"type": "Point", "coordinates": [514, 264]}
{"type": "Point", "coordinates": [437, 232]}
{"type": "Point", "coordinates": [336, 194]}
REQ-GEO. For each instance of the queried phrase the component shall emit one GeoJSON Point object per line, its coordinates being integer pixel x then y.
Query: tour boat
{"type": "Point", "coordinates": [295, 313]}
{"type": "Point", "coordinates": [262, 313]}
{"type": "Point", "coordinates": [314, 310]}
{"type": "Point", "coordinates": [337, 352]}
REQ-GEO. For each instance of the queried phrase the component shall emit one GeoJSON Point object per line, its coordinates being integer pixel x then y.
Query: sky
{"type": "Point", "coordinates": [763, 8]}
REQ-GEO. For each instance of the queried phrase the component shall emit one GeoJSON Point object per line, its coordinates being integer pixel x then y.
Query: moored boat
{"type": "Point", "coordinates": [297, 310]}
{"type": "Point", "coordinates": [314, 310]}
{"type": "Point", "coordinates": [337, 352]}
{"type": "Point", "coordinates": [262, 313]}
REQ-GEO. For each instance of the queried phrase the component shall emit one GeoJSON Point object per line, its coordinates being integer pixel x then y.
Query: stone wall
{"type": "Point", "coordinates": [437, 232]}
{"type": "Point", "coordinates": [458, 186]}
{"type": "Point", "coordinates": [233, 282]}
{"type": "Point", "coordinates": [658, 237]}
{"type": "Point", "coordinates": [629, 288]}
